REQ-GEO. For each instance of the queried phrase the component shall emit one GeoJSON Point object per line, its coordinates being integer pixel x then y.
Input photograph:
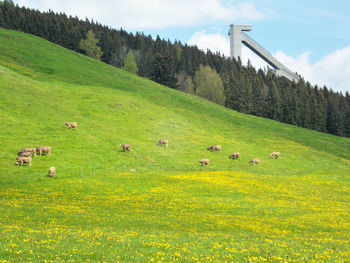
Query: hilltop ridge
{"type": "Point", "coordinates": [246, 89]}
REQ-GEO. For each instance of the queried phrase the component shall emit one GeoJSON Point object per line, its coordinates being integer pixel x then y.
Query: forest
{"type": "Point", "coordinates": [179, 66]}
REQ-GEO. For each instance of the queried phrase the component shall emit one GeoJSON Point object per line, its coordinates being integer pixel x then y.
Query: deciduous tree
{"type": "Point", "coordinates": [130, 62]}
{"type": "Point", "coordinates": [89, 45]}
{"type": "Point", "coordinates": [208, 84]}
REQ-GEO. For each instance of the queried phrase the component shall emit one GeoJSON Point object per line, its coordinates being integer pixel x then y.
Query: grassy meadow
{"type": "Point", "coordinates": [156, 204]}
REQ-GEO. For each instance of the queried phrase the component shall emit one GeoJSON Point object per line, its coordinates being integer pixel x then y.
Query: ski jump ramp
{"type": "Point", "coordinates": [237, 36]}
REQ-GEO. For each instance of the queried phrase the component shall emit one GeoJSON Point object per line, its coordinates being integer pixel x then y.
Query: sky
{"type": "Point", "coordinates": [310, 37]}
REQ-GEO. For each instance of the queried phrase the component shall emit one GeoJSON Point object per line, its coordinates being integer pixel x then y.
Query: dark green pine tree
{"type": "Point", "coordinates": [320, 111]}
{"type": "Point", "coordinates": [288, 105]}
{"type": "Point", "coordinates": [162, 70]}
{"type": "Point", "coordinates": [304, 105]}
{"type": "Point", "coordinates": [347, 116]}
{"type": "Point", "coordinates": [2, 15]}
{"type": "Point", "coordinates": [342, 109]}
{"type": "Point", "coordinates": [9, 15]}
{"type": "Point", "coordinates": [230, 85]}
{"type": "Point", "coordinates": [347, 96]}
{"type": "Point", "coordinates": [333, 116]}
{"type": "Point", "coordinates": [243, 93]}
{"type": "Point", "coordinates": [274, 102]}
{"type": "Point", "coordinates": [258, 96]}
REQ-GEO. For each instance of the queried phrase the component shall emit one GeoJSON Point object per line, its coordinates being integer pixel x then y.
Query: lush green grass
{"type": "Point", "coordinates": [98, 208]}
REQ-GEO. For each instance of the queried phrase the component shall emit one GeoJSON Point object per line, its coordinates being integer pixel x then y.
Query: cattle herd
{"type": "Point", "coordinates": [235, 155]}
{"type": "Point", "coordinates": [26, 154]}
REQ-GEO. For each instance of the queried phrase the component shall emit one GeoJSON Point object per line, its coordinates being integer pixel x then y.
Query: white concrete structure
{"type": "Point", "coordinates": [237, 37]}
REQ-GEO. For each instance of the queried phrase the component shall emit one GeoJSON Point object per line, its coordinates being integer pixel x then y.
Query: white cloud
{"type": "Point", "coordinates": [333, 70]}
{"type": "Point", "coordinates": [213, 42]}
{"type": "Point", "coordinates": [151, 14]}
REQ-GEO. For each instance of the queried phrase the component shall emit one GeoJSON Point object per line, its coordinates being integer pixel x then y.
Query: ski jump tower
{"type": "Point", "coordinates": [237, 36]}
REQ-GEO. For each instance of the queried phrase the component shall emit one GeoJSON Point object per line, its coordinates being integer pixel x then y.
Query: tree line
{"type": "Point", "coordinates": [211, 75]}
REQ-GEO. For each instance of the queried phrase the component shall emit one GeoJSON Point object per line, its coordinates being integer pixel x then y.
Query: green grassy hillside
{"type": "Point", "coordinates": [156, 204]}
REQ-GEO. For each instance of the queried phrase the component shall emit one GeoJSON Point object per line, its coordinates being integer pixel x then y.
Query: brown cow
{"type": "Point", "coordinates": [163, 142]}
{"type": "Point", "coordinates": [52, 171]}
{"type": "Point", "coordinates": [275, 154]}
{"type": "Point", "coordinates": [126, 147]}
{"type": "Point", "coordinates": [31, 150]}
{"type": "Point", "coordinates": [214, 148]}
{"type": "Point", "coordinates": [21, 160]}
{"type": "Point", "coordinates": [204, 161]}
{"type": "Point", "coordinates": [255, 161]}
{"type": "Point", "coordinates": [44, 149]}
{"type": "Point", "coordinates": [25, 154]}
{"type": "Point", "coordinates": [235, 155]}
{"type": "Point", "coordinates": [72, 125]}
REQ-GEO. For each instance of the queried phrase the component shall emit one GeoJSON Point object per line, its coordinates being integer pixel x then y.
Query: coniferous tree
{"type": "Point", "coordinates": [162, 70]}
{"type": "Point", "coordinates": [274, 103]}
{"type": "Point", "coordinates": [333, 119]}
{"type": "Point", "coordinates": [320, 111]}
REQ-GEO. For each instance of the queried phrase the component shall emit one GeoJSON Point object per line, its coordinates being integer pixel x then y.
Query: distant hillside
{"type": "Point", "coordinates": [246, 90]}
{"type": "Point", "coordinates": [57, 85]}
{"type": "Point", "coordinates": [155, 203]}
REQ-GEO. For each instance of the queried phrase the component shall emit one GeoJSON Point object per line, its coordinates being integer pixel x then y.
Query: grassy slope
{"type": "Point", "coordinates": [170, 209]}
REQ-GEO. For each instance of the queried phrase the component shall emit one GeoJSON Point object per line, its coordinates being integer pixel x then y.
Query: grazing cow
{"type": "Point", "coordinates": [31, 150]}
{"type": "Point", "coordinates": [72, 125]}
{"type": "Point", "coordinates": [255, 161]}
{"type": "Point", "coordinates": [163, 142]}
{"type": "Point", "coordinates": [52, 171]}
{"type": "Point", "coordinates": [44, 149]}
{"type": "Point", "coordinates": [21, 160]}
{"type": "Point", "coordinates": [214, 148]}
{"type": "Point", "coordinates": [275, 154]}
{"type": "Point", "coordinates": [204, 161]}
{"type": "Point", "coordinates": [25, 154]}
{"type": "Point", "coordinates": [235, 155]}
{"type": "Point", "coordinates": [126, 147]}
